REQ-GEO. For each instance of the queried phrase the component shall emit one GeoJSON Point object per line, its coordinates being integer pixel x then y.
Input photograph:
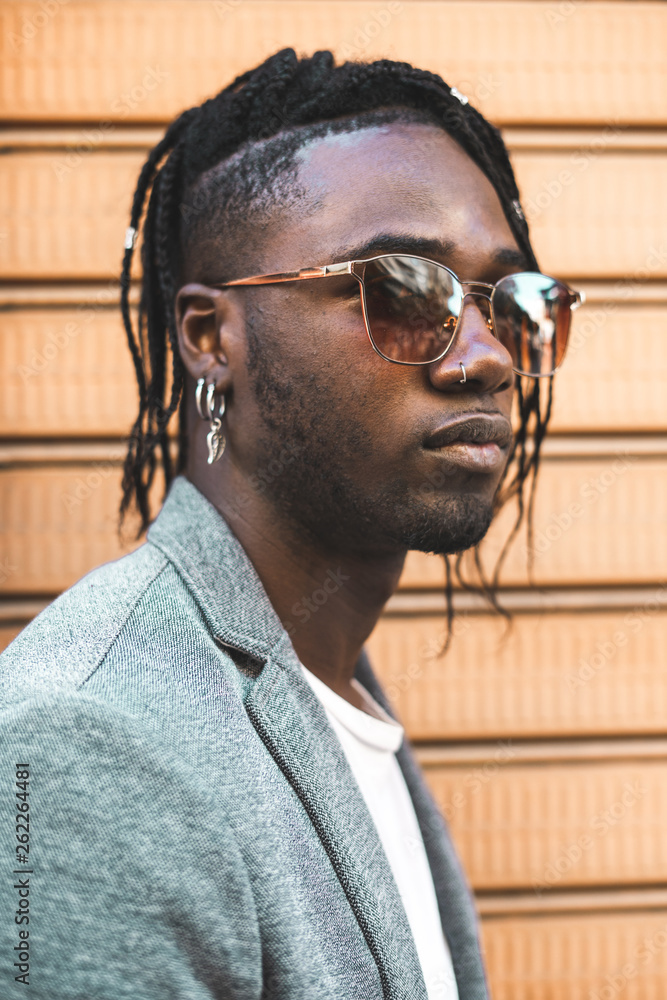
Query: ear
{"type": "Point", "coordinates": [210, 325]}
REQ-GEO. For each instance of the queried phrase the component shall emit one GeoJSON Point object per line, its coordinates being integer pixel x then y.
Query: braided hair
{"type": "Point", "coordinates": [213, 167]}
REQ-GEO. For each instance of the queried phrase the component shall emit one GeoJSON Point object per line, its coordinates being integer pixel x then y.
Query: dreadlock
{"type": "Point", "coordinates": [190, 201]}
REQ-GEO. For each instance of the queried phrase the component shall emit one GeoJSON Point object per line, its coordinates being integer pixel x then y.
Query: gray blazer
{"type": "Point", "coordinates": [195, 829]}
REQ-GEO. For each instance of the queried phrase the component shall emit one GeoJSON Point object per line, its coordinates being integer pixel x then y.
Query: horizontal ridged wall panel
{"type": "Point", "coordinates": [509, 57]}
{"type": "Point", "coordinates": [596, 956]}
{"type": "Point", "coordinates": [597, 520]}
{"type": "Point", "coordinates": [68, 225]}
{"type": "Point", "coordinates": [567, 199]}
{"type": "Point", "coordinates": [68, 371]}
{"type": "Point", "coordinates": [56, 524]}
{"type": "Point", "coordinates": [70, 222]}
{"type": "Point", "coordinates": [594, 546]}
{"type": "Point", "coordinates": [595, 672]}
{"type": "Point", "coordinates": [618, 352]}
{"type": "Point", "coordinates": [576, 824]}
{"type": "Point", "coordinates": [65, 371]}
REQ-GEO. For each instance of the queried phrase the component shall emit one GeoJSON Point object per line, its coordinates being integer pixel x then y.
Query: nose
{"type": "Point", "coordinates": [487, 364]}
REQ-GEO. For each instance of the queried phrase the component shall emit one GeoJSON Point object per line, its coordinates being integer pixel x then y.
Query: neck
{"type": "Point", "coordinates": [328, 600]}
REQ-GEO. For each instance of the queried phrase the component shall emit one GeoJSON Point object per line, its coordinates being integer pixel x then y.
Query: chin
{"type": "Point", "coordinates": [454, 525]}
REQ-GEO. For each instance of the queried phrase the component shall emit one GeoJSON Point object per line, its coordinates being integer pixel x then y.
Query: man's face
{"type": "Point", "coordinates": [369, 473]}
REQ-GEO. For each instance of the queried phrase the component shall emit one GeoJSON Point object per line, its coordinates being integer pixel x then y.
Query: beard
{"type": "Point", "coordinates": [317, 490]}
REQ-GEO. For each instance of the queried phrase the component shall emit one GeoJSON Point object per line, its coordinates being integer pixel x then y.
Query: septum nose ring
{"type": "Point", "coordinates": [465, 377]}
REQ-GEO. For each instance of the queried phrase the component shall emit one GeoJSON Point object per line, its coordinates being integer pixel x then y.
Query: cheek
{"type": "Point", "coordinates": [324, 336]}
{"type": "Point", "coordinates": [321, 352]}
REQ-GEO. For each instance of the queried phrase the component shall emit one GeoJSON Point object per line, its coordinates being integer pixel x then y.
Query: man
{"type": "Point", "coordinates": [222, 804]}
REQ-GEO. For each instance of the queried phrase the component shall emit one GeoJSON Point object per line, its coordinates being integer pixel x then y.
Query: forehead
{"type": "Point", "coordinates": [409, 179]}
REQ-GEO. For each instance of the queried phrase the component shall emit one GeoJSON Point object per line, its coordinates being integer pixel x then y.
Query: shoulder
{"type": "Point", "coordinates": [136, 862]}
{"type": "Point", "coordinates": [63, 646]}
{"type": "Point", "coordinates": [78, 746]}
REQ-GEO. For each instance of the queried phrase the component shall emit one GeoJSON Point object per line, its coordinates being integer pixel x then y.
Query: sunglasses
{"type": "Point", "coordinates": [412, 309]}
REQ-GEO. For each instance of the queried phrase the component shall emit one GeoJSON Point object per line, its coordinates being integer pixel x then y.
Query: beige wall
{"type": "Point", "coordinates": [545, 747]}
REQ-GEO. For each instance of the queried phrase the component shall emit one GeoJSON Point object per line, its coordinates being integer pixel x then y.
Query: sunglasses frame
{"type": "Point", "coordinates": [357, 269]}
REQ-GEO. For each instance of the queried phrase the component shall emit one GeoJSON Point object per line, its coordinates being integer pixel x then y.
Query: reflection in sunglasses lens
{"type": "Point", "coordinates": [532, 321]}
{"type": "Point", "coordinates": [412, 306]}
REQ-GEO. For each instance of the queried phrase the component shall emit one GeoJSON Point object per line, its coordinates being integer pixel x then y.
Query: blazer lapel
{"type": "Point", "coordinates": [293, 725]}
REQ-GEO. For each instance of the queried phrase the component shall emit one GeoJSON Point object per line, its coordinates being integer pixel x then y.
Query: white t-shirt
{"type": "Point", "coordinates": [370, 743]}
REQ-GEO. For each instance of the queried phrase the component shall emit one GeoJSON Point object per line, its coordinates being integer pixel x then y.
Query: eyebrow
{"type": "Point", "coordinates": [421, 247]}
{"type": "Point", "coordinates": [510, 256]}
{"type": "Point", "coordinates": [393, 243]}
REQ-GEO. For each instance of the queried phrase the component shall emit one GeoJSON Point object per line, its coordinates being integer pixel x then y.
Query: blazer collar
{"type": "Point", "coordinates": [293, 725]}
{"type": "Point", "coordinates": [213, 563]}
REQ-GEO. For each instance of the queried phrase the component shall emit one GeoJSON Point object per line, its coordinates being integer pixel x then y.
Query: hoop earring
{"type": "Point", "coordinates": [215, 439]}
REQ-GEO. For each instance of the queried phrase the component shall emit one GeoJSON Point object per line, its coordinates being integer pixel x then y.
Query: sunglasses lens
{"type": "Point", "coordinates": [532, 318]}
{"type": "Point", "coordinates": [412, 306]}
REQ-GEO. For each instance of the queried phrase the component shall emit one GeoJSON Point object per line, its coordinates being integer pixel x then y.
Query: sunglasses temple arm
{"type": "Point", "coordinates": [325, 271]}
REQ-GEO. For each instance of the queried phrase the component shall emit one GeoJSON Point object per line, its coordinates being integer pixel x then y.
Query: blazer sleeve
{"type": "Point", "coordinates": [137, 887]}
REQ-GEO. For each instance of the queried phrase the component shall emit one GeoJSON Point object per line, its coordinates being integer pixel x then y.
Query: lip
{"type": "Point", "coordinates": [478, 430]}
